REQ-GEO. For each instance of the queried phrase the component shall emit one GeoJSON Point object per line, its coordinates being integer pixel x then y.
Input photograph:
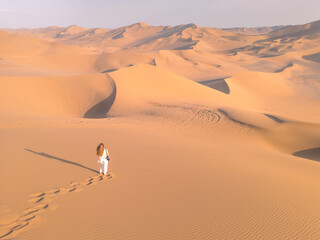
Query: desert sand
{"type": "Point", "coordinates": [212, 134]}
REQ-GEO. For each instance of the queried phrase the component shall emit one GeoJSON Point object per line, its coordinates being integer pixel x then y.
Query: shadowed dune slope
{"type": "Point", "coordinates": [101, 109]}
{"type": "Point", "coordinates": [313, 57]}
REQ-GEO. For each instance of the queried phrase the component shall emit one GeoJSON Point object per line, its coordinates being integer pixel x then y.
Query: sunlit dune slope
{"type": "Point", "coordinates": [55, 96]}
{"type": "Point", "coordinates": [19, 45]}
{"type": "Point", "coordinates": [274, 93]}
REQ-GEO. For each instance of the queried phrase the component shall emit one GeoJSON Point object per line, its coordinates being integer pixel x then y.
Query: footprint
{"type": "Point", "coordinates": [45, 206]}
{"type": "Point", "coordinates": [78, 190]}
{"type": "Point", "coordinates": [65, 190]}
{"type": "Point", "coordinates": [27, 218]}
{"type": "Point", "coordinates": [17, 227]}
{"type": "Point", "coordinates": [36, 200]}
{"type": "Point", "coordinates": [41, 206]}
{"type": "Point", "coordinates": [74, 184]}
{"type": "Point", "coordinates": [53, 191]}
{"type": "Point", "coordinates": [39, 200]}
{"type": "Point", "coordinates": [36, 195]}
{"type": "Point", "coordinates": [30, 211]}
{"type": "Point", "coordinates": [8, 233]}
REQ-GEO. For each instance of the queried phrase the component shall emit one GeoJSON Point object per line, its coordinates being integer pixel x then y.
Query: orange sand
{"type": "Point", "coordinates": [212, 134]}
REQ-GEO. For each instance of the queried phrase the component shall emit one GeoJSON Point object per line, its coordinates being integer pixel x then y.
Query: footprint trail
{"type": "Point", "coordinates": [40, 203]}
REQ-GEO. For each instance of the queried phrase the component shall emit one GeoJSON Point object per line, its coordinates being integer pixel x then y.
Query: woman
{"type": "Point", "coordinates": [103, 154]}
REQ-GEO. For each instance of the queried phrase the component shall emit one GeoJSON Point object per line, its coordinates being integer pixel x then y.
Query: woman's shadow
{"type": "Point", "coordinates": [61, 160]}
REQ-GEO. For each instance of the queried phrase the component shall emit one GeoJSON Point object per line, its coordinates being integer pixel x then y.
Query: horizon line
{"type": "Point", "coordinates": [142, 22]}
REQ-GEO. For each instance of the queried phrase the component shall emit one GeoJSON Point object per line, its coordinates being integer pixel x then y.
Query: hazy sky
{"type": "Point", "coordinates": [116, 13]}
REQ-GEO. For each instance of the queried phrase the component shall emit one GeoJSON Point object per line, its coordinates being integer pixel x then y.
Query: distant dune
{"type": "Point", "coordinates": [253, 31]}
{"type": "Point", "coordinates": [212, 133]}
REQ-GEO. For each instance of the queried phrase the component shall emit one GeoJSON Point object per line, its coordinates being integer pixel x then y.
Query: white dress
{"type": "Point", "coordinates": [104, 162]}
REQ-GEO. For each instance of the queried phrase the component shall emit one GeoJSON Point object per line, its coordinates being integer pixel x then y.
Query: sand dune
{"type": "Point", "coordinates": [17, 45]}
{"type": "Point", "coordinates": [138, 37]}
{"type": "Point", "coordinates": [67, 96]}
{"type": "Point", "coordinates": [276, 94]}
{"type": "Point", "coordinates": [254, 30]}
{"type": "Point", "coordinates": [297, 30]}
{"type": "Point", "coordinates": [213, 134]}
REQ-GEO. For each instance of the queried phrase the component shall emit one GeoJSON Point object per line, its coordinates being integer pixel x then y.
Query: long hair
{"type": "Point", "coordinates": [100, 149]}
